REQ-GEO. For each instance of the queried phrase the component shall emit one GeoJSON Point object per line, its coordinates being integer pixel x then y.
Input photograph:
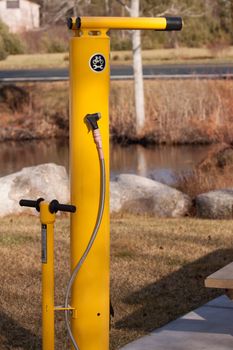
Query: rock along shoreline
{"type": "Point", "coordinates": [128, 193]}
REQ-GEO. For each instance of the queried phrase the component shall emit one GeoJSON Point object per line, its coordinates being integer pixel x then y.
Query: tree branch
{"type": "Point", "coordinates": [182, 11]}
{"type": "Point", "coordinates": [122, 3]}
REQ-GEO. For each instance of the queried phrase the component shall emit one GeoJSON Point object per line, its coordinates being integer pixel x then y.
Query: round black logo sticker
{"type": "Point", "coordinates": [97, 62]}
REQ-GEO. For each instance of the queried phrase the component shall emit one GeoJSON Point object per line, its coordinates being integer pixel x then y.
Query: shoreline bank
{"type": "Point", "coordinates": [177, 112]}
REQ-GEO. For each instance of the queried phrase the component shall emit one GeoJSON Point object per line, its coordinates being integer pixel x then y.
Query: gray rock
{"type": "Point", "coordinates": [215, 204]}
{"type": "Point", "coordinates": [48, 181]}
{"type": "Point", "coordinates": [129, 193]}
{"type": "Point", "coordinates": [138, 195]}
{"type": "Point", "coordinates": [165, 176]}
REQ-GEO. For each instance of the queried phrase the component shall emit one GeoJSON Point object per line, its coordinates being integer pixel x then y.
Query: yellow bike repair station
{"type": "Point", "coordinates": [87, 311]}
{"type": "Point", "coordinates": [89, 94]}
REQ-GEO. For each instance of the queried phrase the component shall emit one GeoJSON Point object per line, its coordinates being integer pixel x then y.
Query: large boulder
{"type": "Point", "coordinates": [165, 176]}
{"type": "Point", "coordinates": [48, 181]}
{"type": "Point", "coordinates": [215, 204]}
{"type": "Point", "coordinates": [138, 195]}
{"type": "Point", "coordinates": [129, 193]}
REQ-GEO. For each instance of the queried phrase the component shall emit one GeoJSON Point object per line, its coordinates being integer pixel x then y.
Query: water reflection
{"type": "Point", "coordinates": [16, 155]}
{"type": "Point", "coordinates": [158, 162]}
{"type": "Point", "coordinates": [162, 163]}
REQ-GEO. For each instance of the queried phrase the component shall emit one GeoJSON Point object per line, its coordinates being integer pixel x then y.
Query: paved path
{"type": "Point", "coordinates": [209, 327]}
{"type": "Point", "coordinates": [187, 70]}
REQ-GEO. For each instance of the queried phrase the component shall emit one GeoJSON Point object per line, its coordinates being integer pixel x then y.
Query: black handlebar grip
{"type": "Point", "coordinates": [30, 203]}
{"type": "Point", "coordinates": [27, 203]}
{"type": "Point", "coordinates": [67, 207]}
{"type": "Point", "coordinates": [174, 23]}
{"type": "Point", "coordinates": [55, 206]}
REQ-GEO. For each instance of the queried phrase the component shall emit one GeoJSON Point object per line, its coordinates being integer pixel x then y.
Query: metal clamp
{"type": "Point", "coordinates": [71, 309]}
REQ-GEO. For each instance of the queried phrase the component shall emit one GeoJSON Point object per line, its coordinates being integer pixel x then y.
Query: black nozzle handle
{"type": "Point", "coordinates": [174, 23]}
{"type": "Point", "coordinates": [91, 120]}
{"type": "Point", "coordinates": [55, 206]}
{"type": "Point", "coordinates": [30, 203]}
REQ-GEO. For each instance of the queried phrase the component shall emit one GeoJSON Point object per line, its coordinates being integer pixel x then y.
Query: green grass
{"type": "Point", "coordinates": [158, 56]}
{"type": "Point", "coordinates": [158, 267]}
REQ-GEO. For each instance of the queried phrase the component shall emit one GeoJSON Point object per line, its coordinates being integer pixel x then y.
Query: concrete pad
{"type": "Point", "coordinates": [209, 327]}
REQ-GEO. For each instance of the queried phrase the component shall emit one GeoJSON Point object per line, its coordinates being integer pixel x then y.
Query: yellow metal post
{"type": "Point", "coordinates": [47, 256]}
{"type": "Point", "coordinates": [89, 92]}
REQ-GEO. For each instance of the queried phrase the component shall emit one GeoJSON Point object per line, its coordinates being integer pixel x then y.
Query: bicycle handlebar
{"type": "Point", "coordinates": [31, 203]}
{"type": "Point", "coordinates": [54, 205]}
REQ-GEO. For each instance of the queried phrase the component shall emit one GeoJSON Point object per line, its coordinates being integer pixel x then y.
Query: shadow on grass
{"type": "Point", "coordinates": [175, 294]}
{"type": "Point", "coordinates": [12, 335]}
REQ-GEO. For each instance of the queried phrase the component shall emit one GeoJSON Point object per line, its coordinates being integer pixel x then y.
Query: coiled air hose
{"type": "Point", "coordinates": [97, 139]}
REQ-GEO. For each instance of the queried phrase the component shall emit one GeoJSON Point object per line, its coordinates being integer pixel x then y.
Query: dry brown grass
{"type": "Point", "coordinates": [213, 173]}
{"type": "Point", "coordinates": [34, 111]}
{"type": "Point", "coordinates": [178, 55]}
{"type": "Point", "coordinates": [157, 273]}
{"type": "Point", "coordinates": [194, 111]}
{"type": "Point", "coordinates": [199, 182]}
{"type": "Point", "coordinates": [177, 112]}
{"type": "Point", "coordinates": [157, 56]}
{"type": "Point", "coordinates": [42, 60]}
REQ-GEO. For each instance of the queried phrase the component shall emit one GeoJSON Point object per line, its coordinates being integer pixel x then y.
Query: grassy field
{"type": "Point", "coordinates": [52, 60]}
{"type": "Point", "coordinates": [158, 56]}
{"type": "Point", "coordinates": [179, 55]}
{"type": "Point", "coordinates": [158, 269]}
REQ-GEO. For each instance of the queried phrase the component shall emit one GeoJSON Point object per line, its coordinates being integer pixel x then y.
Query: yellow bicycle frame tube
{"type": "Point", "coordinates": [89, 91]}
{"type": "Point", "coordinates": [47, 231]}
{"type": "Point", "coordinates": [159, 23]}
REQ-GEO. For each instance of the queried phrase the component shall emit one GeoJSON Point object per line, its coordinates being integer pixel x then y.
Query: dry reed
{"type": "Point", "coordinates": [177, 112]}
{"type": "Point", "coordinates": [213, 173]}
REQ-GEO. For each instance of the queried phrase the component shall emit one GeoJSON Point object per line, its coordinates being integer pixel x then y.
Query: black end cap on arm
{"type": "Point", "coordinates": [69, 23]}
{"type": "Point", "coordinates": [77, 23]}
{"type": "Point", "coordinates": [174, 23]}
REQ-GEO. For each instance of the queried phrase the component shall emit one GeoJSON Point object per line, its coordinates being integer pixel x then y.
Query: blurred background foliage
{"type": "Point", "coordinates": [208, 23]}
{"type": "Point", "coordinates": [10, 44]}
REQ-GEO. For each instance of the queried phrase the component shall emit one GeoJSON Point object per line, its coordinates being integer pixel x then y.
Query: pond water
{"type": "Point", "coordinates": [163, 163]}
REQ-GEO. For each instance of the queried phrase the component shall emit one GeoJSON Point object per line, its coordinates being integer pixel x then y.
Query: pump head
{"type": "Point", "coordinates": [91, 121]}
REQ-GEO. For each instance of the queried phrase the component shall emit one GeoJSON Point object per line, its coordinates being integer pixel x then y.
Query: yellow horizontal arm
{"type": "Point", "coordinates": [159, 23]}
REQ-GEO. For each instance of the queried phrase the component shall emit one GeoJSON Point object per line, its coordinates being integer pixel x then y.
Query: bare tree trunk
{"type": "Point", "coordinates": [75, 8]}
{"type": "Point", "coordinates": [138, 72]}
{"type": "Point", "coordinates": [107, 7]}
{"type": "Point", "coordinates": [137, 67]}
